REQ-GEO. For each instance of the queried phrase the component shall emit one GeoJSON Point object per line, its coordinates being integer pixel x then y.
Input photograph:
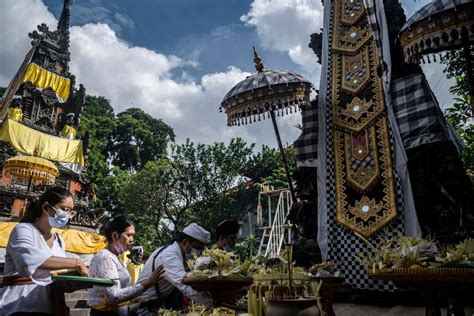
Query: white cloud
{"type": "Point", "coordinates": [139, 77]}
{"type": "Point", "coordinates": [286, 26]}
{"type": "Point", "coordinates": [17, 19]}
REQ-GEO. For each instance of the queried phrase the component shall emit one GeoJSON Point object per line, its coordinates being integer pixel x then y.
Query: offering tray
{"type": "Point", "coordinates": [222, 288]}
{"type": "Point", "coordinates": [431, 283]}
{"type": "Point", "coordinates": [280, 276]}
{"type": "Point", "coordinates": [432, 275]}
{"type": "Point", "coordinates": [86, 282]}
{"type": "Point", "coordinates": [67, 283]}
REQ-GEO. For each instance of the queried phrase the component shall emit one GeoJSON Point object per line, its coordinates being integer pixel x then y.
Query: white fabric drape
{"type": "Point", "coordinates": [322, 130]}
{"type": "Point", "coordinates": [411, 224]}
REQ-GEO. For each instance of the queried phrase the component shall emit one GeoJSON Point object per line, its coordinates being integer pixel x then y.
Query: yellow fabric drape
{"type": "Point", "coordinates": [42, 79]}
{"type": "Point", "coordinates": [76, 241]}
{"type": "Point", "coordinates": [32, 142]}
{"type": "Point", "coordinates": [69, 132]}
{"type": "Point", "coordinates": [82, 242]}
{"type": "Point", "coordinates": [132, 268]}
{"type": "Point", "coordinates": [15, 114]}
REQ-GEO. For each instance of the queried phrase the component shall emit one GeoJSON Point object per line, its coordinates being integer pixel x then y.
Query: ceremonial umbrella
{"type": "Point", "coordinates": [265, 93]}
{"type": "Point", "coordinates": [442, 25]}
{"type": "Point", "coordinates": [32, 168]}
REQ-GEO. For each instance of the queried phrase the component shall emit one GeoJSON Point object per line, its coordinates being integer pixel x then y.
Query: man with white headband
{"type": "Point", "coordinates": [170, 291]}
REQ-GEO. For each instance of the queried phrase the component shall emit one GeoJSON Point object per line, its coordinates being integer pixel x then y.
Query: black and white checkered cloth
{"type": "Point", "coordinates": [306, 146]}
{"type": "Point", "coordinates": [371, 10]}
{"type": "Point", "coordinates": [367, 162]}
{"type": "Point", "coordinates": [434, 7]}
{"type": "Point", "coordinates": [418, 115]}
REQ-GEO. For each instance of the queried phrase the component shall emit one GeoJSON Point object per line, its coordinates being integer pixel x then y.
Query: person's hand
{"type": "Point", "coordinates": [154, 277]}
{"type": "Point", "coordinates": [81, 267]}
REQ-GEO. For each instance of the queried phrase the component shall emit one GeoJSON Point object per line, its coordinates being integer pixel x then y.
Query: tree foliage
{"type": "Point", "coordinates": [120, 145]}
{"type": "Point", "coordinates": [196, 183]}
{"type": "Point", "coordinates": [267, 168]}
{"type": "Point", "coordinates": [459, 115]}
{"type": "Point", "coordinates": [455, 63]}
{"type": "Point", "coordinates": [139, 138]}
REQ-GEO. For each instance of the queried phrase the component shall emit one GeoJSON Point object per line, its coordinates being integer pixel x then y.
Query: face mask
{"type": "Point", "coordinates": [228, 248]}
{"type": "Point", "coordinates": [60, 218]}
{"type": "Point", "coordinates": [119, 248]}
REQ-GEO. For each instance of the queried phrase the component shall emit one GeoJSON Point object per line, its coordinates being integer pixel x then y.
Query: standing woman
{"type": "Point", "coordinates": [33, 250]}
{"type": "Point", "coordinates": [112, 301]}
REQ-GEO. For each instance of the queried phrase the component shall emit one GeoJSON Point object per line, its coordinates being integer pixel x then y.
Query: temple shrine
{"type": "Point", "coordinates": [40, 146]}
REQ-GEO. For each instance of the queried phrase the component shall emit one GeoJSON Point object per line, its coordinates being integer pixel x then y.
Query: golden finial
{"type": "Point", "coordinates": [258, 61]}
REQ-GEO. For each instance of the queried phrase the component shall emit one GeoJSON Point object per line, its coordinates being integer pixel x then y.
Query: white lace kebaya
{"type": "Point", "coordinates": [107, 265]}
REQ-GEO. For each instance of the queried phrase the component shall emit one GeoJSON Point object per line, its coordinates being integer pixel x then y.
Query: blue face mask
{"type": "Point", "coordinates": [60, 218]}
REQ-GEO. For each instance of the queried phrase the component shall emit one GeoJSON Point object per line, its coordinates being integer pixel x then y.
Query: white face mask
{"type": "Point", "coordinates": [60, 218]}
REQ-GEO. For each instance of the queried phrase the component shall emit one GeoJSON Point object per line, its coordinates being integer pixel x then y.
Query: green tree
{"type": "Point", "coordinates": [146, 196]}
{"type": "Point", "coordinates": [197, 183]}
{"type": "Point", "coordinates": [139, 138]}
{"type": "Point", "coordinates": [98, 120]}
{"type": "Point", "coordinates": [218, 173]}
{"type": "Point", "coordinates": [459, 115]}
{"type": "Point", "coordinates": [456, 68]}
{"type": "Point", "coordinates": [263, 163]}
{"type": "Point", "coordinates": [267, 168]}
{"type": "Point", "coordinates": [119, 145]}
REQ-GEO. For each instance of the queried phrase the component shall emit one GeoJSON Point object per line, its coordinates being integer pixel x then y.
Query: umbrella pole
{"type": "Point", "coordinates": [283, 157]}
{"type": "Point", "coordinates": [26, 198]}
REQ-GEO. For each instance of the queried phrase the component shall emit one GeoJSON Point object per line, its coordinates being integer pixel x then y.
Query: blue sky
{"type": "Point", "coordinates": [176, 59]}
{"type": "Point", "coordinates": [209, 31]}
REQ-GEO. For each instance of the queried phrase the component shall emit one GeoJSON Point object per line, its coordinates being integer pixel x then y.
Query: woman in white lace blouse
{"type": "Point", "coordinates": [105, 301]}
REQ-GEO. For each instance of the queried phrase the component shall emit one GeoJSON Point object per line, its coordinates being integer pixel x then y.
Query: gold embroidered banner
{"type": "Point", "coordinates": [365, 185]}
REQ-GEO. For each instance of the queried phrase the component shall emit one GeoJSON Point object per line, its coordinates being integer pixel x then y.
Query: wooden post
{"type": "Point", "coordinates": [22, 213]}
{"type": "Point", "coordinates": [283, 157]}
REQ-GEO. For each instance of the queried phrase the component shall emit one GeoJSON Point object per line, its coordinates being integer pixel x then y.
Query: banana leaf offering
{"type": "Point", "coordinates": [405, 252]}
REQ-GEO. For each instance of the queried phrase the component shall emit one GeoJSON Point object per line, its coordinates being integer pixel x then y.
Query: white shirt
{"type": "Point", "coordinates": [107, 265]}
{"type": "Point", "coordinates": [27, 250]}
{"type": "Point", "coordinates": [172, 260]}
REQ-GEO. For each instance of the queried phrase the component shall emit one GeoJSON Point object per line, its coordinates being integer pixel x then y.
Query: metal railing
{"type": "Point", "coordinates": [280, 227]}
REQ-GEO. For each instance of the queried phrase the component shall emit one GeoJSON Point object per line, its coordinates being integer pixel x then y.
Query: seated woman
{"type": "Point", "coordinates": [33, 250]}
{"type": "Point", "coordinates": [106, 264]}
